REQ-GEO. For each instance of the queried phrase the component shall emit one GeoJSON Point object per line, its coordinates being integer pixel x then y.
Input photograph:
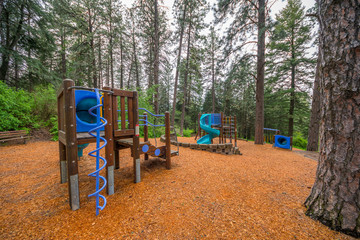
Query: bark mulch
{"type": "Point", "coordinates": [258, 195]}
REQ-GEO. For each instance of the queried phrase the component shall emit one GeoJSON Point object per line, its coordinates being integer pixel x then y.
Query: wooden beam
{"type": "Point", "coordinates": [167, 141]}
{"type": "Point", "coordinates": [109, 136]}
{"type": "Point", "coordinates": [71, 144]}
{"type": "Point", "coordinates": [123, 93]}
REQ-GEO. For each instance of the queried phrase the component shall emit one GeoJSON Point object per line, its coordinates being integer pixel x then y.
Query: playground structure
{"type": "Point", "coordinates": [120, 110]}
{"type": "Point", "coordinates": [273, 136]}
{"type": "Point", "coordinates": [269, 135]}
{"type": "Point", "coordinates": [226, 125]}
{"type": "Point", "coordinates": [283, 142]}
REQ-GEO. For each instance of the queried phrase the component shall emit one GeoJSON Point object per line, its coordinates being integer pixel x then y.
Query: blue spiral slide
{"type": "Point", "coordinates": [205, 124]}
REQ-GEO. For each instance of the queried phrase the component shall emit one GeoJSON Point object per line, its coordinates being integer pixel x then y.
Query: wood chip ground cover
{"type": "Point", "coordinates": [258, 195]}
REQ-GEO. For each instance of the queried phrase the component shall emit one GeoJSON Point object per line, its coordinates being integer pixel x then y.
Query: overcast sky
{"type": "Point", "coordinates": [277, 6]}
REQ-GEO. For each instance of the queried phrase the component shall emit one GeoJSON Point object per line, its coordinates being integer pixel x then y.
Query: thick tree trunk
{"type": "Point", "coordinates": [259, 121]}
{"type": "Point", "coordinates": [313, 133]}
{"type": "Point", "coordinates": [182, 27]}
{"type": "Point", "coordinates": [185, 83]}
{"type": "Point", "coordinates": [156, 60]}
{"type": "Point", "coordinates": [335, 197]}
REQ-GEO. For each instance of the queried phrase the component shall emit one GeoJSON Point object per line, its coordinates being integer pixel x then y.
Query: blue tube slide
{"type": "Point", "coordinates": [206, 126]}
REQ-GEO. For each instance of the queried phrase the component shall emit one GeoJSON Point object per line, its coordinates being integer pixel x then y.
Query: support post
{"type": "Point", "coordinates": [146, 135]}
{"type": "Point", "coordinates": [63, 170]}
{"type": "Point", "coordinates": [235, 131]}
{"type": "Point", "coordinates": [167, 137]}
{"type": "Point", "coordinates": [71, 145]}
{"type": "Point", "coordinates": [136, 153]}
{"type": "Point", "coordinates": [221, 140]}
{"type": "Point", "coordinates": [117, 158]}
{"type": "Point", "coordinates": [109, 136]}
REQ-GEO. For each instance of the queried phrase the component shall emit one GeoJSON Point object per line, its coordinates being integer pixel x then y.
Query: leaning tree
{"type": "Point", "coordinates": [335, 197]}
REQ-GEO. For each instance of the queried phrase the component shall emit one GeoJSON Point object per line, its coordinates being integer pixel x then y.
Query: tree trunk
{"type": "Point", "coordinates": [156, 60]}
{"type": "Point", "coordinates": [11, 41]}
{"type": "Point", "coordinates": [92, 49]}
{"type": "Point", "coordinates": [313, 133]}
{"type": "Point", "coordinates": [213, 72]}
{"type": "Point", "coordinates": [185, 83]}
{"type": "Point", "coordinates": [16, 62]}
{"type": "Point", "coordinates": [111, 45]}
{"type": "Point", "coordinates": [292, 93]}
{"type": "Point", "coordinates": [136, 66]}
{"type": "Point", "coordinates": [335, 197]}
{"type": "Point", "coordinates": [121, 63]}
{"type": "Point", "coordinates": [292, 103]}
{"type": "Point", "coordinates": [178, 65]}
{"type": "Point", "coordinates": [100, 64]}
{"type": "Point", "coordinates": [63, 53]}
{"type": "Point", "coordinates": [259, 121]}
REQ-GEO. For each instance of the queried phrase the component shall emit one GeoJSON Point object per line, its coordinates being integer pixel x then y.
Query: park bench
{"type": "Point", "coordinates": [13, 135]}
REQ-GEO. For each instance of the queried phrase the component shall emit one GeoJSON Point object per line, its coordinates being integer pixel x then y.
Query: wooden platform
{"type": "Point", "coordinates": [128, 142]}
{"type": "Point", "coordinates": [85, 137]}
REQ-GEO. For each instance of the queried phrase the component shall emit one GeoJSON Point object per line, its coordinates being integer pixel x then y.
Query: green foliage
{"type": "Point", "coordinates": [15, 109]}
{"type": "Point", "coordinates": [299, 141]}
{"type": "Point", "coordinates": [23, 110]}
{"type": "Point", "coordinates": [188, 132]}
{"type": "Point", "coordinates": [52, 124]}
{"type": "Point", "coordinates": [44, 103]}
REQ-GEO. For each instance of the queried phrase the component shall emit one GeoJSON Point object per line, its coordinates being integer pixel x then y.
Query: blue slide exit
{"type": "Point", "coordinates": [206, 126]}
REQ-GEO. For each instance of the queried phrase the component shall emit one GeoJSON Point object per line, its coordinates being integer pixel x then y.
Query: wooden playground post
{"type": "Point", "coordinates": [146, 134]}
{"type": "Point", "coordinates": [109, 148]}
{"type": "Point", "coordinates": [221, 140]}
{"type": "Point", "coordinates": [167, 137]}
{"type": "Point", "coordinates": [136, 153]}
{"type": "Point", "coordinates": [231, 127]}
{"type": "Point", "coordinates": [62, 146]}
{"type": "Point", "coordinates": [235, 130]}
{"type": "Point", "coordinates": [71, 144]}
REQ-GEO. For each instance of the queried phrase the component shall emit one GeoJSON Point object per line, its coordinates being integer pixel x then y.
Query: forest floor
{"type": "Point", "coordinates": [258, 195]}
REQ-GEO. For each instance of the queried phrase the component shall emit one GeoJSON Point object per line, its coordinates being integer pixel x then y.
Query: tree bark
{"type": "Point", "coordinates": [178, 64]}
{"type": "Point", "coordinates": [335, 196]}
{"type": "Point", "coordinates": [314, 127]}
{"type": "Point", "coordinates": [121, 62]}
{"type": "Point", "coordinates": [213, 72]}
{"type": "Point", "coordinates": [92, 49]}
{"type": "Point", "coordinates": [11, 41]}
{"type": "Point", "coordinates": [185, 83]}
{"type": "Point", "coordinates": [292, 93]}
{"type": "Point", "coordinates": [156, 58]}
{"type": "Point", "coordinates": [63, 53]}
{"type": "Point", "coordinates": [259, 121]}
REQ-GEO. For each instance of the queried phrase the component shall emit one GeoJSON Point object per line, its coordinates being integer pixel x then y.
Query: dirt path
{"type": "Point", "coordinates": [258, 195]}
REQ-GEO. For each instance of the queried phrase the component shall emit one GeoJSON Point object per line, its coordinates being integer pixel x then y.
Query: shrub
{"type": "Point", "coordinates": [187, 132]}
{"type": "Point", "coordinates": [15, 109]}
{"type": "Point", "coordinates": [299, 141]}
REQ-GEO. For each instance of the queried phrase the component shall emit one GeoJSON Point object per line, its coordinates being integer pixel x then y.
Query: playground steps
{"type": "Point", "coordinates": [128, 143]}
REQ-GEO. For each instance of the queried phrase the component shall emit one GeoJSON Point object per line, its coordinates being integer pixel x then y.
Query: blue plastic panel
{"type": "Point", "coordinates": [282, 142]}
{"type": "Point", "coordinates": [84, 100]}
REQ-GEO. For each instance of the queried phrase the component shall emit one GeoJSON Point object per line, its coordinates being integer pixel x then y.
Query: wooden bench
{"type": "Point", "coordinates": [13, 135]}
